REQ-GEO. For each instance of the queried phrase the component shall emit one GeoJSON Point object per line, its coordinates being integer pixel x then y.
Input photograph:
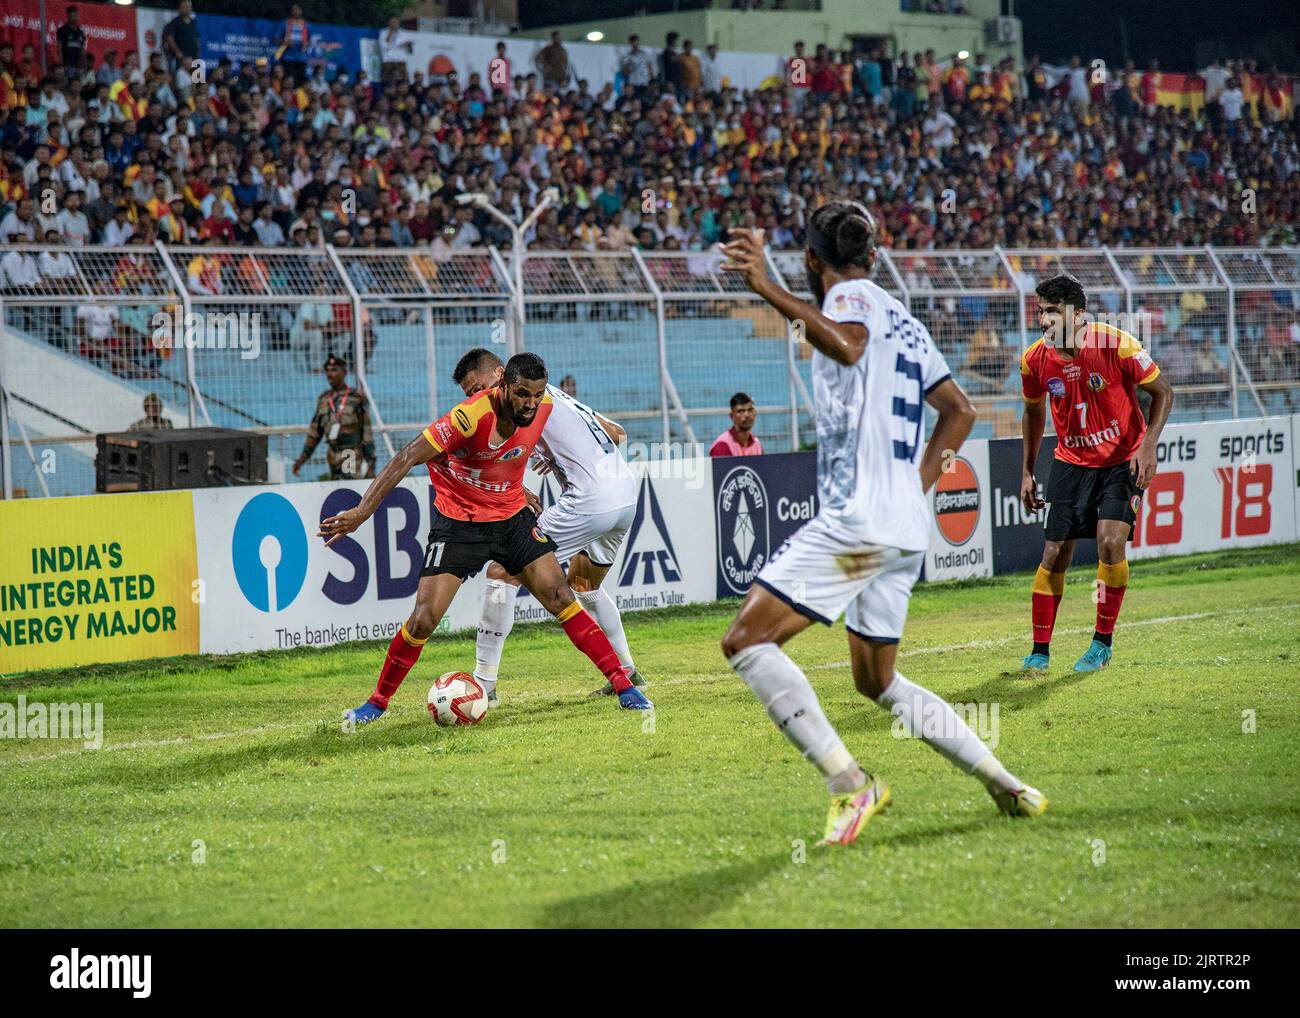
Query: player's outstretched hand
{"type": "Point", "coordinates": [745, 254]}
{"type": "Point", "coordinates": [1029, 494]}
{"type": "Point", "coordinates": [334, 527]}
{"type": "Point", "coordinates": [534, 503]}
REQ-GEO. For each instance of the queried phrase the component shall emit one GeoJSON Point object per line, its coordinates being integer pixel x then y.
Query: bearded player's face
{"type": "Point", "coordinates": [522, 398]}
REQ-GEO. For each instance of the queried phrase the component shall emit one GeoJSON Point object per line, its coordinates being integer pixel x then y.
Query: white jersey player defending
{"type": "Point", "coordinates": [587, 522]}
{"type": "Point", "coordinates": [873, 367]}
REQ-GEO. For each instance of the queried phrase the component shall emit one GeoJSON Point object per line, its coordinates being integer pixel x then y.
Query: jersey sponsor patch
{"type": "Point", "coordinates": [1056, 387]}
{"type": "Point", "coordinates": [514, 453]}
{"type": "Point", "coordinates": [1144, 360]}
{"type": "Point", "coordinates": [850, 303]}
{"type": "Point", "coordinates": [442, 432]}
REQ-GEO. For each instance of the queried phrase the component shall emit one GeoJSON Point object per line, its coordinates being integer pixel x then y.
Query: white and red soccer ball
{"type": "Point", "coordinates": [457, 698]}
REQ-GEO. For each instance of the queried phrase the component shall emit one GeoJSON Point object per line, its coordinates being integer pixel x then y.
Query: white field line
{"type": "Point", "coordinates": [185, 740]}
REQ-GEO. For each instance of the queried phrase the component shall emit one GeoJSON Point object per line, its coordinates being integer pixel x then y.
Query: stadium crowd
{"type": "Point", "coordinates": [949, 154]}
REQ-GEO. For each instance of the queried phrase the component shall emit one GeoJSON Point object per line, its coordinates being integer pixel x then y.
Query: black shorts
{"type": "Point", "coordinates": [1077, 497]}
{"type": "Point", "coordinates": [462, 548]}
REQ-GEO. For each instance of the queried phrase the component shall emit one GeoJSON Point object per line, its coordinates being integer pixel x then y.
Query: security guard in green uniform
{"type": "Point", "coordinates": [342, 418]}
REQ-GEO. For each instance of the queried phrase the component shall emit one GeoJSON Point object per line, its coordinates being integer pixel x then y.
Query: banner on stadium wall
{"type": "Point", "coordinates": [758, 502]}
{"type": "Point", "coordinates": [239, 569]}
{"type": "Point", "coordinates": [666, 556]}
{"type": "Point", "coordinates": [270, 582]}
{"type": "Point", "coordinates": [1295, 464]}
{"type": "Point", "coordinates": [149, 25]}
{"type": "Point", "coordinates": [97, 579]}
{"type": "Point", "coordinates": [961, 531]}
{"type": "Point", "coordinates": [248, 40]}
{"type": "Point", "coordinates": [107, 27]}
{"type": "Point", "coordinates": [434, 55]}
{"type": "Point", "coordinates": [1218, 484]}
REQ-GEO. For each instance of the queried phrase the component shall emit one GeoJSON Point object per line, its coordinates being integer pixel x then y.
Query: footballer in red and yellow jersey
{"type": "Point", "coordinates": [476, 456]}
{"type": "Point", "coordinates": [1089, 374]}
{"type": "Point", "coordinates": [475, 479]}
{"type": "Point", "coordinates": [1093, 395]}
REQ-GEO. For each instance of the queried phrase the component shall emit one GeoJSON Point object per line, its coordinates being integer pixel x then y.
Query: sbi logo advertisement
{"type": "Point", "coordinates": [270, 547]}
{"type": "Point", "coordinates": [269, 552]}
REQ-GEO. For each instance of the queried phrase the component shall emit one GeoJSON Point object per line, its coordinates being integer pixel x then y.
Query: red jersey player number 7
{"type": "Point", "coordinates": [1088, 373]}
{"type": "Point", "coordinates": [476, 455]}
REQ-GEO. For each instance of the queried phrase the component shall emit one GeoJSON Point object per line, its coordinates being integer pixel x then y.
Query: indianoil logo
{"type": "Point", "coordinates": [957, 501]}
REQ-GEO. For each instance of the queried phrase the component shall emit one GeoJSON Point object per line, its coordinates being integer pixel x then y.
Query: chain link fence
{"type": "Point", "coordinates": [660, 341]}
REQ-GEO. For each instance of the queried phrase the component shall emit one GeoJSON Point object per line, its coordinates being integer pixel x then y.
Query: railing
{"type": "Point", "coordinates": [236, 337]}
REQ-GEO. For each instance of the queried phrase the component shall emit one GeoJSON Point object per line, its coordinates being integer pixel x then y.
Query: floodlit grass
{"type": "Point", "coordinates": [563, 811]}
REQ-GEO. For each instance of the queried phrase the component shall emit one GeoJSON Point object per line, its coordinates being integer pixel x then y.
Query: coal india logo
{"type": "Point", "coordinates": [743, 529]}
{"type": "Point", "coordinates": [957, 502]}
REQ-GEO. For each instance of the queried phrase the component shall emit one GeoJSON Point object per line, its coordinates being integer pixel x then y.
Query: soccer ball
{"type": "Point", "coordinates": [457, 699]}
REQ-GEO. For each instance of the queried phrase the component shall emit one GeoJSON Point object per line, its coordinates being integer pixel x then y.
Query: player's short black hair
{"type": "Point", "coordinates": [1064, 289]}
{"type": "Point", "coordinates": [473, 360]}
{"type": "Point", "coordinates": [843, 233]}
{"type": "Point", "coordinates": [740, 399]}
{"type": "Point", "coordinates": [527, 366]}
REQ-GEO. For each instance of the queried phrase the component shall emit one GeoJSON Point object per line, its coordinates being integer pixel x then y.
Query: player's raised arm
{"type": "Point", "coordinates": [420, 449]}
{"type": "Point", "coordinates": [956, 418]}
{"type": "Point", "coordinates": [842, 342]}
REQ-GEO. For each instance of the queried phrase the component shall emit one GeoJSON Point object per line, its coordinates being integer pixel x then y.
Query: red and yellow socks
{"type": "Point", "coordinates": [1112, 581]}
{"type": "Point", "coordinates": [588, 637]}
{"type": "Point", "coordinates": [1048, 588]}
{"type": "Point", "coordinates": [403, 652]}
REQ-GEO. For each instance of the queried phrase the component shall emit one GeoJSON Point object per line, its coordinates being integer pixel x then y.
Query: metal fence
{"type": "Point", "coordinates": [236, 337]}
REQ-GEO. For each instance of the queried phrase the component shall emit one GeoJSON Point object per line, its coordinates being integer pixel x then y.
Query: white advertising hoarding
{"type": "Point", "coordinates": [961, 534]}
{"type": "Point", "coordinates": [1220, 484]}
{"type": "Point", "coordinates": [270, 583]}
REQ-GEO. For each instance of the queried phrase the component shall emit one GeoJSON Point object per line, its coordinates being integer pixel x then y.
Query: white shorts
{"type": "Point", "coordinates": [599, 535]}
{"type": "Point", "coordinates": [822, 572]}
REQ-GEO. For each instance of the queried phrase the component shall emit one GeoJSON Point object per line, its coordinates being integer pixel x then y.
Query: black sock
{"type": "Point", "coordinates": [1102, 637]}
{"type": "Point", "coordinates": [1041, 648]}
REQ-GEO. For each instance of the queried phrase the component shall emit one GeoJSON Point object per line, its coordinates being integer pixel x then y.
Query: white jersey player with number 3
{"type": "Point", "coordinates": [874, 367]}
{"type": "Point", "coordinates": [588, 522]}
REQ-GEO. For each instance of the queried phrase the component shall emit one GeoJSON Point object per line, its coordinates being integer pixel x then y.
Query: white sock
{"type": "Point", "coordinates": [931, 719]}
{"type": "Point", "coordinates": [793, 707]}
{"type": "Point", "coordinates": [605, 612]}
{"type": "Point", "coordinates": [494, 625]}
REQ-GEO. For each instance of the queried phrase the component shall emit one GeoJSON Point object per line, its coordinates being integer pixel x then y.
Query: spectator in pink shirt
{"type": "Point", "coordinates": [739, 439]}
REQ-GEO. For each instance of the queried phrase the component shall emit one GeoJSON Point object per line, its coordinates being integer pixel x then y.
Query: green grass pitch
{"type": "Point", "coordinates": [563, 811]}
